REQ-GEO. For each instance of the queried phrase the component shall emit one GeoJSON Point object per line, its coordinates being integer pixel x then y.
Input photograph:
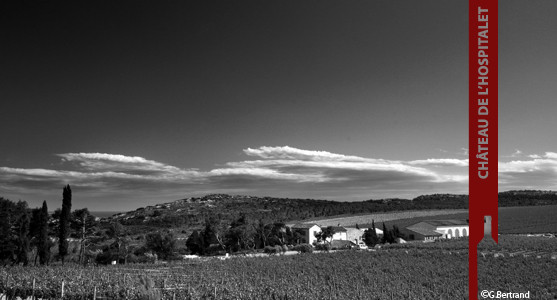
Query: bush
{"type": "Point", "coordinates": [273, 250]}
{"type": "Point", "coordinates": [245, 252]}
{"type": "Point", "coordinates": [323, 247]}
{"type": "Point", "coordinates": [303, 248]}
{"type": "Point", "coordinates": [214, 249]}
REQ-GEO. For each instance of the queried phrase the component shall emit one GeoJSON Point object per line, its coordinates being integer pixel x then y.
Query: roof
{"type": "Point", "coordinates": [339, 229]}
{"type": "Point", "coordinates": [304, 225]}
{"type": "Point", "coordinates": [424, 231]}
{"type": "Point", "coordinates": [354, 230]}
{"type": "Point", "coordinates": [438, 223]}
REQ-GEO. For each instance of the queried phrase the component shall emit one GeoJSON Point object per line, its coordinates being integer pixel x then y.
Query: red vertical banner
{"type": "Point", "coordinates": [483, 128]}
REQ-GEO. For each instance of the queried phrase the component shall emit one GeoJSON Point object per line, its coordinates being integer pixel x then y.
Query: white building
{"type": "Point", "coordinates": [307, 231]}
{"type": "Point", "coordinates": [435, 229]}
{"type": "Point", "coordinates": [340, 233]}
{"type": "Point", "coordinates": [357, 235]}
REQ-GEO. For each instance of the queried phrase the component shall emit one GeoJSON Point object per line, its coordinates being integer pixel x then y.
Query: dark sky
{"type": "Point", "coordinates": [136, 102]}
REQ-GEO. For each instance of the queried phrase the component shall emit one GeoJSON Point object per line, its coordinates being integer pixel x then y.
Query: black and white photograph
{"type": "Point", "coordinates": [269, 150]}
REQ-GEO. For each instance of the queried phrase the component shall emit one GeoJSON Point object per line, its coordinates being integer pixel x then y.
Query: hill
{"type": "Point", "coordinates": [192, 212]}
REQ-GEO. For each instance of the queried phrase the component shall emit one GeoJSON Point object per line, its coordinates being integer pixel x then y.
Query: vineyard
{"type": "Point", "coordinates": [408, 271]}
{"type": "Point", "coordinates": [340, 275]}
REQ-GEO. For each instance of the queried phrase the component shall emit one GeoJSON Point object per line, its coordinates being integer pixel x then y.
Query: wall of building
{"type": "Point", "coordinates": [340, 236]}
{"type": "Point", "coordinates": [453, 231]}
{"type": "Point", "coordinates": [311, 234]}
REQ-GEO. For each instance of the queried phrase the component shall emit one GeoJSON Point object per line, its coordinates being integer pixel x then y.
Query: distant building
{"type": "Point", "coordinates": [340, 233]}
{"type": "Point", "coordinates": [436, 229]}
{"type": "Point", "coordinates": [354, 234]}
{"type": "Point", "coordinates": [357, 235]}
{"type": "Point", "coordinates": [307, 231]}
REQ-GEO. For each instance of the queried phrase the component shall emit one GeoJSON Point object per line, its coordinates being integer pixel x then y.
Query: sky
{"type": "Point", "coordinates": [135, 103]}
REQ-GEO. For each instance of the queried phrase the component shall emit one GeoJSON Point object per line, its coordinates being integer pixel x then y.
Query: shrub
{"type": "Point", "coordinates": [273, 250]}
{"type": "Point", "coordinates": [303, 248]}
{"type": "Point", "coordinates": [270, 250]}
{"type": "Point", "coordinates": [323, 247]}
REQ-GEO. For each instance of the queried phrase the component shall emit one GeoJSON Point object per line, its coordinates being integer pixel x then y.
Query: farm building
{"type": "Point", "coordinates": [340, 233]}
{"type": "Point", "coordinates": [436, 229]}
{"type": "Point", "coordinates": [357, 235]}
{"type": "Point", "coordinates": [307, 231]}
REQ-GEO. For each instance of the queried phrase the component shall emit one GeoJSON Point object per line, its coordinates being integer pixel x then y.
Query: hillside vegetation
{"type": "Point", "coordinates": [192, 212]}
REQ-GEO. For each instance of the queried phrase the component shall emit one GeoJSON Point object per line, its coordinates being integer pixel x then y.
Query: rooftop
{"type": "Point", "coordinates": [447, 222]}
{"type": "Point", "coordinates": [339, 229]}
{"type": "Point", "coordinates": [304, 225]}
{"type": "Point", "coordinates": [424, 231]}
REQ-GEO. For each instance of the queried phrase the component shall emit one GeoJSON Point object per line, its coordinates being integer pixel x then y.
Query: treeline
{"type": "Point", "coordinates": [527, 198]}
{"type": "Point", "coordinates": [192, 212]}
{"type": "Point", "coordinates": [242, 234]}
{"type": "Point", "coordinates": [32, 233]}
{"type": "Point", "coordinates": [23, 230]}
{"type": "Point", "coordinates": [389, 236]}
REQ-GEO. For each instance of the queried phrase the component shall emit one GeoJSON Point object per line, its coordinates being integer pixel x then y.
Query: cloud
{"type": "Point", "coordinates": [516, 153]}
{"type": "Point", "coordinates": [117, 162]}
{"type": "Point", "coordinates": [535, 173]}
{"type": "Point", "coordinates": [551, 155]}
{"type": "Point", "coordinates": [287, 152]}
{"type": "Point", "coordinates": [441, 161]}
{"type": "Point", "coordinates": [277, 171]}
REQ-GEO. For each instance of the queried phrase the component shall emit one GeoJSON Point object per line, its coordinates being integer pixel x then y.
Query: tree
{"type": "Point", "coordinates": [64, 230]}
{"type": "Point", "coordinates": [214, 233]}
{"type": "Point", "coordinates": [299, 236]}
{"type": "Point", "coordinates": [162, 245]}
{"type": "Point", "coordinates": [325, 235]}
{"type": "Point", "coordinates": [278, 234]}
{"type": "Point", "coordinates": [240, 235]}
{"type": "Point", "coordinates": [121, 242]}
{"type": "Point", "coordinates": [34, 231]}
{"type": "Point", "coordinates": [261, 234]}
{"type": "Point", "coordinates": [23, 241]}
{"type": "Point", "coordinates": [387, 235]}
{"type": "Point", "coordinates": [8, 238]}
{"type": "Point", "coordinates": [396, 233]}
{"type": "Point", "coordinates": [370, 236]}
{"type": "Point", "coordinates": [84, 224]}
{"type": "Point", "coordinates": [195, 243]}
{"type": "Point", "coordinates": [43, 242]}
{"type": "Point", "coordinates": [14, 231]}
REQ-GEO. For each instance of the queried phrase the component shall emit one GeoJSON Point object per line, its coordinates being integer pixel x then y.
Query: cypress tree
{"type": "Point", "coordinates": [23, 248]}
{"type": "Point", "coordinates": [43, 241]}
{"type": "Point", "coordinates": [370, 235]}
{"type": "Point", "coordinates": [385, 234]}
{"type": "Point", "coordinates": [65, 222]}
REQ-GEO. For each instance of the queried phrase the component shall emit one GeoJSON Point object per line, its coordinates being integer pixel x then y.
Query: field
{"type": "Point", "coordinates": [528, 219]}
{"type": "Point", "coordinates": [340, 275]}
{"type": "Point", "coordinates": [384, 217]}
{"type": "Point", "coordinates": [405, 271]}
{"type": "Point", "coordinates": [512, 220]}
